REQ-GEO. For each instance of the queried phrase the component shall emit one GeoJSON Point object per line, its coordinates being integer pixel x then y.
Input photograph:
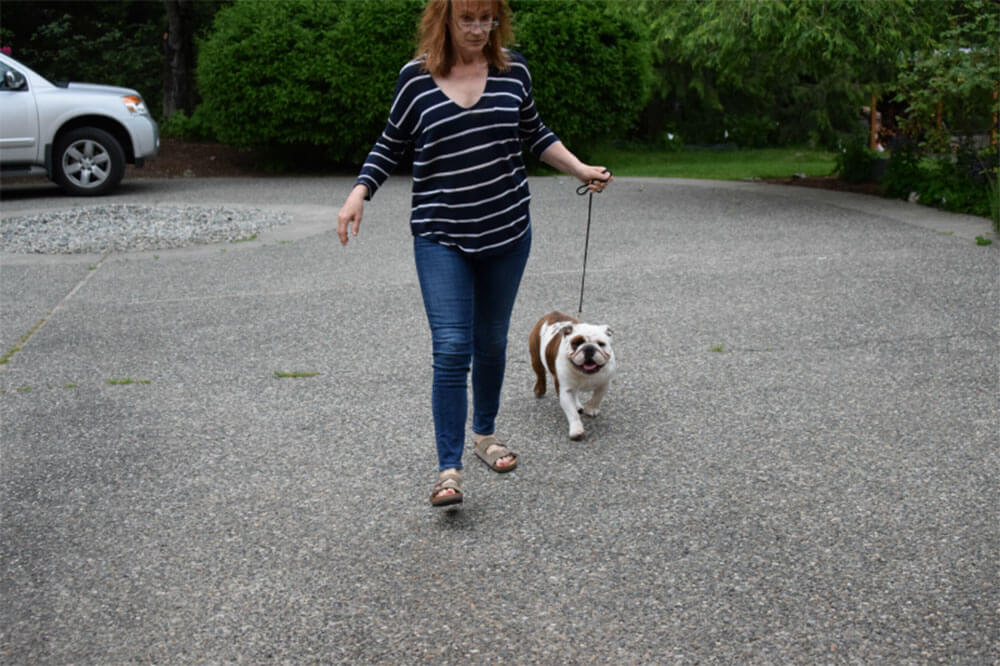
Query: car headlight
{"type": "Point", "coordinates": [135, 104]}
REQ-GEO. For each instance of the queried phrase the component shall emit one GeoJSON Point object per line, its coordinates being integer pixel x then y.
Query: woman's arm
{"type": "Point", "coordinates": [559, 157]}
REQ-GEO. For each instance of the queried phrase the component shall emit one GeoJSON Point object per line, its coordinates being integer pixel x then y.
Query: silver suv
{"type": "Point", "coordinates": [79, 135]}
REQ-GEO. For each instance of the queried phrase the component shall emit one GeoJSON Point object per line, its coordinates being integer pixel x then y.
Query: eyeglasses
{"type": "Point", "coordinates": [485, 26]}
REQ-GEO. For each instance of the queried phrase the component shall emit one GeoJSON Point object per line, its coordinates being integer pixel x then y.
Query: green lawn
{"type": "Point", "coordinates": [717, 165]}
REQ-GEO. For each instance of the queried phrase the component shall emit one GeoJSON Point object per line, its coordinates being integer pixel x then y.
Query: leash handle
{"type": "Point", "coordinates": [581, 190]}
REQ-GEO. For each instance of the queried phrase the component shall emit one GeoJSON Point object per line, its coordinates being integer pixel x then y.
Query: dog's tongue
{"type": "Point", "coordinates": [590, 366]}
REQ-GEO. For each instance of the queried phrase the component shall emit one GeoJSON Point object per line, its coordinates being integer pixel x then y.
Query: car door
{"type": "Point", "coordinates": [18, 120]}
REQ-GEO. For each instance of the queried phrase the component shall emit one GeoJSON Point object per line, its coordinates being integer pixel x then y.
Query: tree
{"type": "Point", "coordinates": [178, 58]}
{"type": "Point", "coordinates": [115, 43]}
{"type": "Point", "coordinates": [951, 84]}
{"type": "Point", "coordinates": [804, 66]}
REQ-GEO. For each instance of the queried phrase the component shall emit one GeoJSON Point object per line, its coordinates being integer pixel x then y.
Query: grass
{"type": "Point", "coordinates": [17, 347]}
{"type": "Point", "coordinates": [294, 375]}
{"type": "Point", "coordinates": [715, 165]}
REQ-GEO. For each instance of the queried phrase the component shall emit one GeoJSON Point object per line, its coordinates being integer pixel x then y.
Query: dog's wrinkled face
{"type": "Point", "coordinates": [588, 347]}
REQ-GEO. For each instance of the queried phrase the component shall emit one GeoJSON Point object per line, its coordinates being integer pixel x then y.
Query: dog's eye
{"type": "Point", "coordinates": [576, 342]}
{"type": "Point", "coordinates": [601, 345]}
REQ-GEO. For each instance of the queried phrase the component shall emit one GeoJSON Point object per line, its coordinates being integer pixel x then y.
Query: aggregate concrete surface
{"type": "Point", "coordinates": [797, 462]}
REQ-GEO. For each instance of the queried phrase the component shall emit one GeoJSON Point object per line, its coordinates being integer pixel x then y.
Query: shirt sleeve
{"type": "Point", "coordinates": [391, 145]}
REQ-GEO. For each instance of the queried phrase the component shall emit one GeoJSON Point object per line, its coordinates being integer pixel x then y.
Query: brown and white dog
{"type": "Point", "coordinates": [580, 358]}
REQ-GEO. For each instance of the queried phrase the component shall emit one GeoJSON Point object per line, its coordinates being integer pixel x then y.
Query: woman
{"type": "Point", "coordinates": [465, 105]}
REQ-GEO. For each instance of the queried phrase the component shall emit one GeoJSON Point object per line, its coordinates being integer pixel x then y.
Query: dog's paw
{"type": "Point", "coordinates": [576, 432]}
{"type": "Point", "coordinates": [591, 411]}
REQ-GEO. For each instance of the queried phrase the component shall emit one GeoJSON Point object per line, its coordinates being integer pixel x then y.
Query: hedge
{"type": "Point", "coordinates": [591, 66]}
{"type": "Point", "coordinates": [315, 78]}
{"type": "Point", "coordinates": [304, 74]}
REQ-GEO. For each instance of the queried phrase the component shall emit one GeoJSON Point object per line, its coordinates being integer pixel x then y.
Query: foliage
{"type": "Point", "coordinates": [329, 93]}
{"type": "Point", "coordinates": [181, 126]}
{"type": "Point", "coordinates": [856, 161]}
{"type": "Point", "coordinates": [591, 66]}
{"type": "Point", "coordinates": [116, 42]}
{"type": "Point", "coordinates": [961, 183]}
{"type": "Point", "coordinates": [672, 142]}
{"type": "Point", "coordinates": [957, 71]}
{"type": "Point", "coordinates": [904, 172]}
{"type": "Point", "coordinates": [783, 72]}
{"type": "Point", "coordinates": [304, 76]}
{"type": "Point", "coordinates": [63, 43]}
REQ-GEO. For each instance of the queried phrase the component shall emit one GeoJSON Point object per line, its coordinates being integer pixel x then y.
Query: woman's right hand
{"type": "Point", "coordinates": [350, 214]}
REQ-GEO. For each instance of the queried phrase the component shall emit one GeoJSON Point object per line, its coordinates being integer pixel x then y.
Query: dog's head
{"type": "Point", "coordinates": [588, 346]}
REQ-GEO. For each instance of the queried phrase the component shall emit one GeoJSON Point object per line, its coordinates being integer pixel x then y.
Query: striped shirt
{"type": "Point", "coordinates": [470, 188]}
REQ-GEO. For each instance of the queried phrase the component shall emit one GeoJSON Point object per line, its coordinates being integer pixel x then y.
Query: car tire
{"type": "Point", "coordinates": [87, 162]}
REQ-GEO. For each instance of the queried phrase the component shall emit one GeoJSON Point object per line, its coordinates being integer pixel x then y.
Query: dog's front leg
{"type": "Point", "coordinates": [571, 405]}
{"type": "Point", "coordinates": [593, 407]}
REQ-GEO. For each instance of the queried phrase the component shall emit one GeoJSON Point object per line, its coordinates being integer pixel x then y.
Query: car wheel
{"type": "Point", "coordinates": [88, 161]}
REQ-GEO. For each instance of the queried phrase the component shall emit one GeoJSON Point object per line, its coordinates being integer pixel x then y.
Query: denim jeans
{"type": "Point", "coordinates": [468, 300]}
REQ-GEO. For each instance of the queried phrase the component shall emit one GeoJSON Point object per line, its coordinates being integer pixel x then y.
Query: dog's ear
{"type": "Point", "coordinates": [608, 332]}
{"type": "Point", "coordinates": [566, 330]}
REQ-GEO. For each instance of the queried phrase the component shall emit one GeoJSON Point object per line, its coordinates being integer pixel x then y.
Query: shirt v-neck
{"type": "Point", "coordinates": [479, 98]}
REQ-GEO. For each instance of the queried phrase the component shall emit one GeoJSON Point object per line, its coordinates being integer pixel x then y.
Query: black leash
{"type": "Point", "coordinates": [583, 189]}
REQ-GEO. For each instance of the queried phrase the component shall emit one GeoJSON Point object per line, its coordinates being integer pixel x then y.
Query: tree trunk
{"type": "Point", "coordinates": [178, 61]}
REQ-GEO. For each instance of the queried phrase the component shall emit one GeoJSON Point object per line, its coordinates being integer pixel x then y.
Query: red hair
{"type": "Point", "coordinates": [435, 44]}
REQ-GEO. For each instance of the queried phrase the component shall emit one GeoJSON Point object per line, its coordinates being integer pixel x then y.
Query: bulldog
{"type": "Point", "coordinates": [580, 358]}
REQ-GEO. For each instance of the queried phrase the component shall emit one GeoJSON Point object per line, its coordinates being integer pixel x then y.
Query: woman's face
{"type": "Point", "coordinates": [471, 24]}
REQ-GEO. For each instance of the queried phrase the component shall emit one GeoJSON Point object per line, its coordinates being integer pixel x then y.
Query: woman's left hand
{"type": "Point", "coordinates": [597, 177]}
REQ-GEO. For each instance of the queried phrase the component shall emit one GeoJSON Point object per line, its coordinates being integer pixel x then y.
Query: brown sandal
{"type": "Point", "coordinates": [448, 482]}
{"type": "Point", "coordinates": [491, 458]}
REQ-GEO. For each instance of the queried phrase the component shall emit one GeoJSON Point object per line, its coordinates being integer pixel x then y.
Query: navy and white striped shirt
{"type": "Point", "coordinates": [470, 188]}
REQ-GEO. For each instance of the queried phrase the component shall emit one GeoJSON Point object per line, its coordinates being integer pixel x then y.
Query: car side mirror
{"type": "Point", "coordinates": [13, 80]}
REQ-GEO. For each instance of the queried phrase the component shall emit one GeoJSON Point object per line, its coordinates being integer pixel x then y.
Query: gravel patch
{"type": "Point", "coordinates": [119, 227]}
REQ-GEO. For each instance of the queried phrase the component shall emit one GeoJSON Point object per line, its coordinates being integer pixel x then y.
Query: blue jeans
{"type": "Point", "coordinates": [468, 300]}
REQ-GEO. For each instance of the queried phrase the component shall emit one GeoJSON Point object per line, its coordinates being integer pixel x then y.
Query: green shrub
{"type": "Point", "coordinates": [591, 65]}
{"type": "Point", "coordinates": [751, 130]}
{"type": "Point", "coordinates": [961, 183]}
{"type": "Point", "coordinates": [856, 161]}
{"type": "Point", "coordinates": [182, 126]}
{"type": "Point", "coordinates": [672, 142]}
{"type": "Point", "coordinates": [315, 78]}
{"type": "Point", "coordinates": [304, 79]}
{"type": "Point", "coordinates": [904, 174]}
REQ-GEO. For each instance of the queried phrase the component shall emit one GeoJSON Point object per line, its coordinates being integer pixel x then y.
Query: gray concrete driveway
{"type": "Point", "coordinates": [798, 462]}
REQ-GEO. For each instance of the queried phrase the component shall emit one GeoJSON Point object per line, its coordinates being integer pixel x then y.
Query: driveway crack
{"type": "Point", "coordinates": [19, 345]}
